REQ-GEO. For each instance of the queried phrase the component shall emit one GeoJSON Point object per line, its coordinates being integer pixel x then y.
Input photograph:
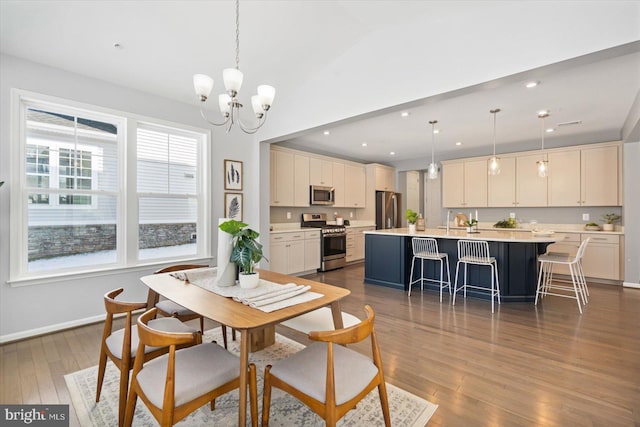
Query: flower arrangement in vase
{"type": "Point", "coordinates": [471, 225]}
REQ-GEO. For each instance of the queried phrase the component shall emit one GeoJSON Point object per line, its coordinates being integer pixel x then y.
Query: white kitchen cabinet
{"type": "Point", "coordinates": [355, 242]}
{"type": "Point", "coordinates": [339, 184]}
{"type": "Point", "coordinates": [567, 243]}
{"type": "Point", "coordinates": [385, 178]}
{"type": "Point", "coordinates": [501, 188]}
{"type": "Point", "coordinates": [464, 184]}
{"type": "Point", "coordinates": [564, 178]}
{"type": "Point", "coordinates": [287, 252]}
{"type": "Point", "coordinates": [301, 181]}
{"type": "Point", "coordinates": [601, 257]}
{"type": "Point", "coordinates": [312, 255]}
{"type": "Point", "coordinates": [531, 190]}
{"type": "Point", "coordinates": [599, 176]}
{"type": "Point", "coordinates": [282, 174]}
{"type": "Point", "coordinates": [320, 172]}
{"type": "Point", "coordinates": [351, 244]}
{"type": "Point", "coordinates": [355, 184]}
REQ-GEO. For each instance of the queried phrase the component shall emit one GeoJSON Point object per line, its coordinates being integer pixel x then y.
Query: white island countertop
{"type": "Point", "coordinates": [489, 235]}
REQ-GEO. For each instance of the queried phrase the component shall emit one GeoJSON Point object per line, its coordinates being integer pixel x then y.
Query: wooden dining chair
{"type": "Point", "coordinates": [347, 378]}
{"type": "Point", "coordinates": [169, 308]}
{"type": "Point", "coordinates": [174, 385]}
{"type": "Point", "coordinates": [121, 345]}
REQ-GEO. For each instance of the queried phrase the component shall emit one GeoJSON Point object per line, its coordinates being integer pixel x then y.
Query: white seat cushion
{"type": "Point", "coordinates": [427, 255]}
{"type": "Point", "coordinates": [319, 320]}
{"type": "Point", "coordinates": [171, 307]}
{"type": "Point", "coordinates": [477, 260]}
{"type": "Point", "coordinates": [168, 324]}
{"type": "Point", "coordinates": [306, 371]}
{"type": "Point", "coordinates": [199, 369]}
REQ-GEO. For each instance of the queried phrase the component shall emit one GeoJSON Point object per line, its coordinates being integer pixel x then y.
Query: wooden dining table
{"type": "Point", "coordinates": [257, 328]}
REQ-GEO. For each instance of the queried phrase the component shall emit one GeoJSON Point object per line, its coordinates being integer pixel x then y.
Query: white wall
{"type": "Point", "coordinates": [39, 308]}
{"type": "Point", "coordinates": [631, 210]}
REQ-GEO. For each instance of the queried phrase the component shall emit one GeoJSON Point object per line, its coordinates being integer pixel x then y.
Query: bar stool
{"type": "Point", "coordinates": [476, 252]}
{"type": "Point", "coordinates": [578, 289]}
{"type": "Point", "coordinates": [427, 249]}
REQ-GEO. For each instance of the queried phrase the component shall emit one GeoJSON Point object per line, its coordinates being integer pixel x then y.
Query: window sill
{"type": "Point", "coordinates": [109, 271]}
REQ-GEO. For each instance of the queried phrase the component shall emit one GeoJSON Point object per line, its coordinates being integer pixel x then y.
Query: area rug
{"type": "Point", "coordinates": [406, 409]}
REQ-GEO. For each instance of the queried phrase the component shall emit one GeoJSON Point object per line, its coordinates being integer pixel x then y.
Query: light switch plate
{"type": "Point", "coordinates": [585, 217]}
{"type": "Point", "coordinates": [512, 214]}
{"type": "Point", "coordinates": [288, 215]}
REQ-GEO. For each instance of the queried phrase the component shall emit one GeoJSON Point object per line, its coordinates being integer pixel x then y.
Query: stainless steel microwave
{"type": "Point", "coordinates": [319, 195]}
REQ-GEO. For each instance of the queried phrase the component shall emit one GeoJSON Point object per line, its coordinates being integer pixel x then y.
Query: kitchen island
{"type": "Point", "coordinates": [388, 256]}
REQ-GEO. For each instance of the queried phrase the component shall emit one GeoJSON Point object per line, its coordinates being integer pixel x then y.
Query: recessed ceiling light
{"type": "Point", "coordinates": [364, 144]}
{"type": "Point", "coordinates": [404, 113]}
{"type": "Point", "coordinates": [393, 153]}
{"type": "Point", "coordinates": [550, 130]}
{"type": "Point", "coordinates": [529, 85]}
{"type": "Point", "coordinates": [326, 132]}
{"type": "Point", "coordinates": [458, 143]}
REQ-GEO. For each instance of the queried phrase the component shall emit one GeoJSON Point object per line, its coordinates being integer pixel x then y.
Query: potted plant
{"type": "Point", "coordinates": [246, 252]}
{"type": "Point", "coordinates": [412, 217]}
{"type": "Point", "coordinates": [470, 224]}
{"type": "Point", "coordinates": [609, 219]}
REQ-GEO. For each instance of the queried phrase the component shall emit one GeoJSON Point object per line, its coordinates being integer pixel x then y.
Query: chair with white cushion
{"type": "Point", "coordinates": [548, 286]}
{"type": "Point", "coordinates": [174, 385]}
{"type": "Point", "coordinates": [318, 320]}
{"type": "Point", "coordinates": [327, 376]}
{"type": "Point", "coordinates": [476, 252]}
{"type": "Point", "coordinates": [426, 249]}
{"type": "Point", "coordinates": [121, 345]}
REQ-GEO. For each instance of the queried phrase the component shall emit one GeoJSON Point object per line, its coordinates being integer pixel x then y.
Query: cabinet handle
{"type": "Point", "coordinates": [598, 238]}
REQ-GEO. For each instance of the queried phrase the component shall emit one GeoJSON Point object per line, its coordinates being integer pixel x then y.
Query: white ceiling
{"type": "Point", "coordinates": [163, 43]}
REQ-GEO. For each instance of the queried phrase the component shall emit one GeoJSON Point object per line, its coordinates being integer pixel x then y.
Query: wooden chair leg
{"type": "Point", "coordinates": [213, 405]}
{"type": "Point", "coordinates": [124, 388]}
{"type": "Point", "coordinates": [224, 335]}
{"type": "Point", "coordinates": [101, 369]}
{"type": "Point", "coordinates": [384, 401]}
{"type": "Point", "coordinates": [253, 394]}
{"type": "Point", "coordinates": [202, 324]}
{"type": "Point", "coordinates": [266, 396]}
{"type": "Point", "coordinates": [132, 399]}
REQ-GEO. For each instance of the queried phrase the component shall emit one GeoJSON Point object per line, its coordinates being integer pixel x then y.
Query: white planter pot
{"type": "Point", "coordinates": [248, 281]}
{"type": "Point", "coordinates": [607, 227]}
{"type": "Point", "coordinates": [412, 229]}
{"type": "Point", "coordinates": [469, 229]}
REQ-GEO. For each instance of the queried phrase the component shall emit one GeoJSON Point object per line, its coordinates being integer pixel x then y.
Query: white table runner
{"type": "Point", "coordinates": [267, 296]}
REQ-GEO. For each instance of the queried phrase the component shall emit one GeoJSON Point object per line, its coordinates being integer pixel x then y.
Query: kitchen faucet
{"type": "Point", "coordinates": [448, 220]}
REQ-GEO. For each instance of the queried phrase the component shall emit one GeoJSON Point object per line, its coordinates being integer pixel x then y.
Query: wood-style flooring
{"type": "Point", "coordinates": [522, 366]}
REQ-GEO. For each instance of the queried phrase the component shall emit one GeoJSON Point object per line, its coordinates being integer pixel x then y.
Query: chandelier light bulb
{"type": "Point", "coordinates": [543, 168]}
{"type": "Point", "coordinates": [432, 170]}
{"type": "Point", "coordinates": [543, 165]}
{"type": "Point", "coordinates": [224, 102]}
{"type": "Point", "coordinates": [203, 85]}
{"type": "Point", "coordinates": [494, 162]}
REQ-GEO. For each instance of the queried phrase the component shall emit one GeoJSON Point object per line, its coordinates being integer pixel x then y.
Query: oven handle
{"type": "Point", "coordinates": [335, 234]}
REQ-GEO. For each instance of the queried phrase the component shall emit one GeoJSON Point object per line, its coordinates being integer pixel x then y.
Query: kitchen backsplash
{"type": "Point", "coordinates": [279, 215]}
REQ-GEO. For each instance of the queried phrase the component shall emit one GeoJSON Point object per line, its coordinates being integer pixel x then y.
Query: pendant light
{"type": "Point", "coordinates": [494, 162]}
{"type": "Point", "coordinates": [543, 165]}
{"type": "Point", "coordinates": [432, 171]}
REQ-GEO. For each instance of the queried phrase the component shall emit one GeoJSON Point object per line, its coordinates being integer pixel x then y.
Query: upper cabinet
{"type": "Point", "coordinates": [464, 183]}
{"type": "Point", "coordinates": [385, 178]}
{"type": "Point", "coordinates": [355, 186]}
{"type": "Point", "coordinates": [578, 176]}
{"type": "Point", "coordinates": [584, 177]}
{"type": "Point", "coordinates": [282, 175]}
{"type": "Point", "coordinates": [320, 172]}
{"type": "Point", "coordinates": [293, 171]}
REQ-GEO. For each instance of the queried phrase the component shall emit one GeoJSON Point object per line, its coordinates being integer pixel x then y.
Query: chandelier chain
{"type": "Point", "coordinates": [237, 34]}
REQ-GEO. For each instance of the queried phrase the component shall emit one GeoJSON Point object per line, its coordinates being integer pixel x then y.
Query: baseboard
{"type": "Point", "coordinates": [31, 333]}
{"type": "Point", "coordinates": [631, 285]}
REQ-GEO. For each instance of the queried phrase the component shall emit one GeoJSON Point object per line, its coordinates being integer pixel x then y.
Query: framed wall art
{"type": "Point", "coordinates": [233, 206]}
{"type": "Point", "coordinates": [233, 175]}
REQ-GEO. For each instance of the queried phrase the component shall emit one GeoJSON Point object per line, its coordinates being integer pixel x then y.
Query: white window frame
{"type": "Point", "coordinates": [127, 210]}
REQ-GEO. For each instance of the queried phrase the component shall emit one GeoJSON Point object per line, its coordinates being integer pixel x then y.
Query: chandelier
{"type": "Point", "coordinates": [494, 162]}
{"type": "Point", "coordinates": [432, 171]}
{"type": "Point", "coordinates": [543, 165]}
{"type": "Point", "coordinates": [228, 102]}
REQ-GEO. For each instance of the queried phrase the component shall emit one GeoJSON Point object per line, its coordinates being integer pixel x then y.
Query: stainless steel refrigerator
{"type": "Point", "coordinates": [388, 213]}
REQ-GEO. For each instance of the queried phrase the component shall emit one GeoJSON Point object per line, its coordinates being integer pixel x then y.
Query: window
{"type": "Point", "coordinates": [74, 211]}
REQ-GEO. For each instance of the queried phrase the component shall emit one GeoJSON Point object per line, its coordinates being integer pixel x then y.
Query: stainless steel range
{"type": "Point", "coordinates": [333, 244]}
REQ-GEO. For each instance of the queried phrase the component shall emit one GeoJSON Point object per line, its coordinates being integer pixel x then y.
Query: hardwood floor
{"type": "Point", "coordinates": [522, 366]}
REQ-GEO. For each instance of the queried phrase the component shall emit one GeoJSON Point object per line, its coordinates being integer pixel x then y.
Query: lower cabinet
{"type": "Point", "coordinates": [355, 242]}
{"type": "Point", "coordinates": [601, 258]}
{"type": "Point", "coordinates": [295, 252]}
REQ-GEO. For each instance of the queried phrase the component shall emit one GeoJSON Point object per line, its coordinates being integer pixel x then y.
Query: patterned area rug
{"type": "Point", "coordinates": [406, 409]}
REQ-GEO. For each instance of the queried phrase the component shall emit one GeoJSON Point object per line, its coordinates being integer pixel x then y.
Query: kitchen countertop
{"type": "Point", "coordinates": [489, 235]}
{"type": "Point", "coordinates": [292, 227]}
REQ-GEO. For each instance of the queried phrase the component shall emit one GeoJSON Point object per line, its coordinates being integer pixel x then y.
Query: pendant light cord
{"type": "Point", "coordinates": [237, 34]}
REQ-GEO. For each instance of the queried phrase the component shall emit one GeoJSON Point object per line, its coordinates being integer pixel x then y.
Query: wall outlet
{"type": "Point", "coordinates": [350, 214]}
{"type": "Point", "coordinates": [512, 215]}
{"type": "Point", "coordinates": [585, 217]}
{"type": "Point", "coordinates": [288, 215]}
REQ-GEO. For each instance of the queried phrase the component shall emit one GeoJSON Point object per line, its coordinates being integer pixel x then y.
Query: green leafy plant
{"type": "Point", "coordinates": [247, 251]}
{"type": "Point", "coordinates": [471, 223]}
{"type": "Point", "coordinates": [411, 216]}
{"type": "Point", "coordinates": [592, 224]}
{"type": "Point", "coordinates": [610, 218]}
{"type": "Point", "coordinates": [506, 223]}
